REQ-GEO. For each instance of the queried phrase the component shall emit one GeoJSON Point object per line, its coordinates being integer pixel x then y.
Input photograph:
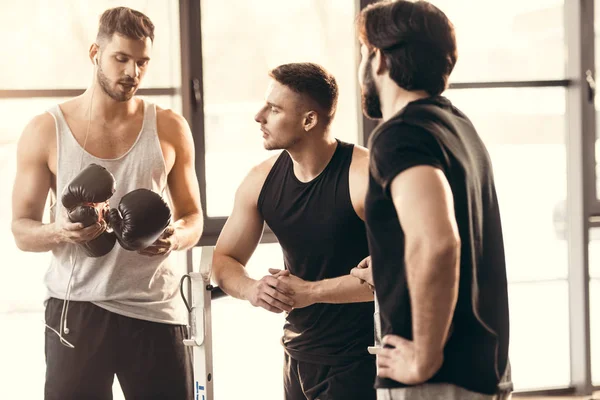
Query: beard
{"type": "Point", "coordinates": [279, 145]}
{"type": "Point", "coordinates": [371, 103]}
{"type": "Point", "coordinates": [114, 94]}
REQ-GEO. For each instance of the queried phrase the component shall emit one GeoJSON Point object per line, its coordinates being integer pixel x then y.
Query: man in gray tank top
{"type": "Point", "coordinates": [119, 313]}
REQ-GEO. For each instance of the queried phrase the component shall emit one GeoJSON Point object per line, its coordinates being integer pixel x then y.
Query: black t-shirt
{"type": "Point", "coordinates": [433, 132]}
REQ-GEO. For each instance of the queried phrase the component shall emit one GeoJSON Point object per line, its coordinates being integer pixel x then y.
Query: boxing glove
{"type": "Point", "coordinates": [140, 219]}
{"type": "Point", "coordinates": [85, 198]}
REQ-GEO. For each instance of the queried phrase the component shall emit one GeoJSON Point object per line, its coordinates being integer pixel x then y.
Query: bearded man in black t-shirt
{"type": "Point", "coordinates": [432, 216]}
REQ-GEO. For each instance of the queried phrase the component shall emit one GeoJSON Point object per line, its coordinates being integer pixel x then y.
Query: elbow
{"type": "Point", "coordinates": [446, 254]}
{"type": "Point", "coordinates": [447, 248]}
{"type": "Point", "coordinates": [198, 227]}
{"type": "Point", "coordinates": [442, 249]}
{"type": "Point", "coordinates": [441, 253]}
{"type": "Point", "coordinates": [19, 242]}
{"type": "Point", "coordinates": [21, 245]}
{"type": "Point", "coordinates": [426, 369]}
{"type": "Point", "coordinates": [217, 269]}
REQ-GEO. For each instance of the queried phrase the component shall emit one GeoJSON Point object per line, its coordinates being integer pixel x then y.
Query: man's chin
{"type": "Point", "coordinates": [270, 146]}
{"type": "Point", "coordinates": [126, 95]}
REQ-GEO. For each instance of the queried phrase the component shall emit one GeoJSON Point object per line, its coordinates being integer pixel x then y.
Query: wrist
{"type": "Point", "coordinates": [55, 233]}
{"type": "Point", "coordinates": [246, 287]}
{"type": "Point", "coordinates": [176, 240]}
{"type": "Point", "coordinates": [315, 292]}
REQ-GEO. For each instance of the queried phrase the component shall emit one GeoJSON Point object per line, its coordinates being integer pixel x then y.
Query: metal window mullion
{"type": "Point", "coordinates": [40, 93]}
{"type": "Point", "coordinates": [192, 89]}
{"type": "Point", "coordinates": [580, 118]}
{"type": "Point", "coordinates": [509, 84]}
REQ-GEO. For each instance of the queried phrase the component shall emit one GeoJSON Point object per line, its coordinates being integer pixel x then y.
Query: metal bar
{"type": "Point", "coordinates": [210, 239]}
{"type": "Point", "coordinates": [581, 123]}
{"type": "Point", "coordinates": [33, 93]}
{"type": "Point", "coordinates": [173, 91]}
{"type": "Point", "coordinates": [534, 281]}
{"type": "Point", "coordinates": [200, 327]}
{"type": "Point", "coordinates": [545, 392]}
{"type": "Point", "coordinates": [511, 84]}
{"type": "Point", "coordinates": [193, 88]}
{"type": "Point", "coordinates": [594, 220]}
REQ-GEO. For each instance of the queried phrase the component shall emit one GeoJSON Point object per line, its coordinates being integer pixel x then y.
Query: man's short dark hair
{"type": "Point", "coordinates": [416, 39]}
{"type": "Point", "coordinates": [313, 81]}
{"type": "Point", "coordinates": [126, 22]}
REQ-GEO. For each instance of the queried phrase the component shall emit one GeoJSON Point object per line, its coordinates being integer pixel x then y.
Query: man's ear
{"type": "Point", "coordinates": [379, 62]}
{"type": "Point", "coordinates": [310, 120]}
{"type": "Point", "coordinates": [94, 53]}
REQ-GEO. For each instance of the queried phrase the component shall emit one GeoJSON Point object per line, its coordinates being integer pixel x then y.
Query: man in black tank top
{"type": "Point", "coordinates": [432, 216]}
{"type": "Point", "coordinates": [312, 197]}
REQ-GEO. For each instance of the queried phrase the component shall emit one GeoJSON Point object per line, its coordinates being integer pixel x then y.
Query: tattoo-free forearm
{"type": "Point", "coordinates": [231, 276]}
{"type": "Point", "coordinates": [188, 230]}
{"type": "Point", "coordinates": [344, 289]}
{"type": "Point", "coordinates": [35, 236]}
{"type": "Point", "coordinates": [433, 275]}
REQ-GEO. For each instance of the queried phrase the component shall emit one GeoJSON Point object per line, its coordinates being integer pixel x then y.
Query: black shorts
{"type": "Point", "coordinates": [148, 358]}
{"type": "Point", "coordinates": [308, 381]}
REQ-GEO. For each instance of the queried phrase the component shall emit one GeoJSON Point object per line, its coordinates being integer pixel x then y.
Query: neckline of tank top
{"type": "Point", "coordinates": [119, 158]}
{"type": "Point", "coordinates": [316, 178]}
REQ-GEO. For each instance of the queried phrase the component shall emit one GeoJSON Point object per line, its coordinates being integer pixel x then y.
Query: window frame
{"type": "Point", "coordinates": [583, 205]}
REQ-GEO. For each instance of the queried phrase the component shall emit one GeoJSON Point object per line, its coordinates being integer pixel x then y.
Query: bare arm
{"type": "Point", "coordinates": [425, 207]}
{"type": "Point", "coordinates": [359, 179]}
{"type": "Point", "coordinates": [188, 222]}
{"type": "Point", "coordinates": [30, 190]}
{"type": "Point", "coordinates": [184, 189]}
{"type": "Point", "coordinates": [238, 240]}
{"type": "Point", "coordinates": [343, 289]}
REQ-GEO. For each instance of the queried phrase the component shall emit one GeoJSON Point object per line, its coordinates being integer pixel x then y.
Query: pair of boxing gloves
{"type": "Point", "coordinates": [139, 220]}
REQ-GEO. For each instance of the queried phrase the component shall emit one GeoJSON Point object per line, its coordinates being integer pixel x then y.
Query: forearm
{"type": "Point", "coordinates": [433, 275]}
{"type": "Point", "coordinates": [344, 289]}
{"type": "Point", "coordinates": [231, 276]}
{"type": "Point", "coordinates": [35, 236]}
{"type": "Point", "coordinates": [187, 231]}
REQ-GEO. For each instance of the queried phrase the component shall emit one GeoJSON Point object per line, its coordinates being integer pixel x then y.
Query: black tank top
{"type": "Point", "coordinates": [321, 237]}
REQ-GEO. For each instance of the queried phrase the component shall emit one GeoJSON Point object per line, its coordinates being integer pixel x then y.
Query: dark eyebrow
{"type": "Point", "coordinates": [274, 105]}
{"type": "Point", "coordinates": [120, 53]}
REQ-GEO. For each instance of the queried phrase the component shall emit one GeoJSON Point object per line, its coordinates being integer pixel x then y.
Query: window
{"type": "Point", "coordinates": [57, 52]}
{"type": "Point", "coordinates": [247, 340]}
{"type": "Point", "coordinates": [523, 130]}
{"type": "Point", "coordinates": [594, 249]}
{"type": "Point", "coordinates": [241, 42]}
{"type": "Point", "coordinates": [507, 41]}
{"type": "Point", "coordinates": [539, 334]}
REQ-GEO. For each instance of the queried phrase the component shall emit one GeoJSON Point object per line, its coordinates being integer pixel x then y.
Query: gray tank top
{"type": "Point", "coordinates": [123, 282]}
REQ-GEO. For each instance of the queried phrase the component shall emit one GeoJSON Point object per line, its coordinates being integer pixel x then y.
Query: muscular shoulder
{"type": "Point", "coordinates": [360, 162]}
{"type": "Point", "coordinates": [359, 179]}
{"type": "Point", "coordinates": [172, 127]}
{"type": "Point", "coordinates": [39, 136]}
{"type": "Point", "coordinates": [253, 182]}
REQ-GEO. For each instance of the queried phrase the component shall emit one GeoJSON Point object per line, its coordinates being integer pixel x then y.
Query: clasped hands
{"type": "Point", "coordinates": [281, 291]}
